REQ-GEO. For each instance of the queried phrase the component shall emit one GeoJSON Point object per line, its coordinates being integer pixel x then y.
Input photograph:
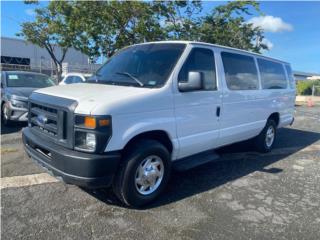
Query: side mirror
{"type": "Point", "coordinates": [194, 82]}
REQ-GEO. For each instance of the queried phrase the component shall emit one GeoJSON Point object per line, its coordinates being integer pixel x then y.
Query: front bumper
{"type": "Point", "coordinates": [73, 167]}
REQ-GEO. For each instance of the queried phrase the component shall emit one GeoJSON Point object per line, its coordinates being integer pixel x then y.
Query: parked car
{"type": "Point", "coordinates": [157, 106]}
{"type": "Point", "coordinates": [71, 78]}
{"type": "Point", "coordinates": [16, 87]}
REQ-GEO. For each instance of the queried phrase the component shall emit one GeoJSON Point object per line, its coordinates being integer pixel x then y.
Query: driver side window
{"type": "Point", "coordinates": [200, 60]}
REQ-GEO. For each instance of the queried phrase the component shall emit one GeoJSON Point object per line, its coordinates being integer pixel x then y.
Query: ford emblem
{"type": "Point", "coordinates": [41, 120]}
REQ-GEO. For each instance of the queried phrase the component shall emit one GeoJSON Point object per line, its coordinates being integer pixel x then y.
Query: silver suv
{"type": "Point", "coordinates": [16, 88]}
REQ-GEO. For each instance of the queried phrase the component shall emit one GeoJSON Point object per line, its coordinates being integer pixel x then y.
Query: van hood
{"type": "Point", "coordinates": [91, 95]}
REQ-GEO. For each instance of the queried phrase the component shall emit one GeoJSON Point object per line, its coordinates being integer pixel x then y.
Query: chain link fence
{"type": "Point", "coordinates": [47, 67]}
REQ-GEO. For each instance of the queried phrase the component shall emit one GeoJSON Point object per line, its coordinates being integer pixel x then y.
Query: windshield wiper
{"type": "Point", "coordinates": [132, 77]}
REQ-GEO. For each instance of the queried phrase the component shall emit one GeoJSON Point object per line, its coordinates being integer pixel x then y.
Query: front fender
{"type": "Point", "coordinates": [126, 127]}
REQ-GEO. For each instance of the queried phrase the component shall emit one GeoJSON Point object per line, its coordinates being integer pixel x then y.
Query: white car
{"type": "Point", "coordinates": [157, 106]}
{"type": "Point", "coordinates": [72, 78]}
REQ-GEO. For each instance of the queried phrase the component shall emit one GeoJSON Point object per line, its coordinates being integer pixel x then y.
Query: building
{"type": "Point", "coordinates": [20, 54]}
{"type": "Point", "coordinates": [302, 76]}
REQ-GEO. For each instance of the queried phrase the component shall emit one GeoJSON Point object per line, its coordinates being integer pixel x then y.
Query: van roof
{"type": "Point", "coordinates": [218, 46]}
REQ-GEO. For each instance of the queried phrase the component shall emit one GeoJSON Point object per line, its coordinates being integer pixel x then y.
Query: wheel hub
{"type": "Point", "coordinates": [270, 136]}
{"type": "Point", "coordinates": [149, 175]}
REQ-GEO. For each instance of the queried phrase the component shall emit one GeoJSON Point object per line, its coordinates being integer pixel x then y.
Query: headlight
{"type": "Point", "coordinates": [19, 104]}
{"type": "Point", "coordinates": [85, 141]}
{"type": "Point", "coordinates": [18, 101]}
{"type": "Point", "coordinates": [92, 133]}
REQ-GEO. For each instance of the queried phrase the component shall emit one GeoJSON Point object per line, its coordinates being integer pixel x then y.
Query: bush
{"type": "Point", "coordinates": [305, 87]}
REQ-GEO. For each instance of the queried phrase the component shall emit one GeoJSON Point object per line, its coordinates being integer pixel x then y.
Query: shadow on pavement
{"type": "Point", "coordinates": [14, 127]}
{"type": "Point", "coordinates": [209, 176]}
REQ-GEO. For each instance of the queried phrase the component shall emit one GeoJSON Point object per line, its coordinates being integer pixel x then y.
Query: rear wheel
{"type": "Point", "coordinates": [143, 174]}
{"type": "Point", "coordinates": [265, 140]}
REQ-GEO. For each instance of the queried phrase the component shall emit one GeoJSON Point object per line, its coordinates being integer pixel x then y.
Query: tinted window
{"type": "Point", "coordinates": [149, 64]}
{"type": "Point", "coordinates": [28, 80]}
{"type": "Point", "coordinates": [292, 82]}
{"type": "Point", "coordinates": [77, 79]}
{"type": "Point", "coordinates": [240, 71]}
{"type": "Point", "coordinates": [200, 60]}
{"type": "Point", "coordinates": [272, 75]}
{"type": "Point", "coordinates": [69, 80]}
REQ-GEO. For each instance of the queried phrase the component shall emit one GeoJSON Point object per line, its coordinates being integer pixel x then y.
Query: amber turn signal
{"type": "Point", "coordinates": [104, 122]}
{"type": "Point", "coordinates": [90, 122]}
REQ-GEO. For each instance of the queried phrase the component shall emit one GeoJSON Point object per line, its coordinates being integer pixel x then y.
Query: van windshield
{"type": "Point", "coordinates": [146, 65]}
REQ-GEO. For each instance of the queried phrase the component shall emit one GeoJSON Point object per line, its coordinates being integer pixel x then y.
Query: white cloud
{"type": "Point", "coordinates": [268, 43]}
{"type": "Point", "coordinates": [270, 24]}
{"type": "Point", "coordinates": [30, 12]}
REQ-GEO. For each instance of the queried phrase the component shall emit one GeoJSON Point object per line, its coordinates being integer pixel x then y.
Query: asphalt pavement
{"type": "Point", "coordinates": [244, 195]}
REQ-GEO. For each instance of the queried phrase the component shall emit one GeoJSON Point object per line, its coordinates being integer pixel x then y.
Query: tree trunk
{"type": "Point", "coordinates": [59, 71]}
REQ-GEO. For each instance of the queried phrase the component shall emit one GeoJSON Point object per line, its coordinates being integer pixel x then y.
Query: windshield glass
{"type": "Point", "coordinates": [28, 80]}
{"type": "Point", "coordinates": [146, 65]}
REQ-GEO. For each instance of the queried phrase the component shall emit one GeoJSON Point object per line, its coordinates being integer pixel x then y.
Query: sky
{"type": "Point", "coordinates": [292, 29]}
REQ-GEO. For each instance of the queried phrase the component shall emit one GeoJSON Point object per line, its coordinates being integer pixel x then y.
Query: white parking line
{"type": "Point", "coordinates": [27, 180]}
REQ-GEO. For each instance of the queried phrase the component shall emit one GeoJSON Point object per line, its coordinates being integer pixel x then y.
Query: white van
{"type": "Point", "coordinates": [157, 106]}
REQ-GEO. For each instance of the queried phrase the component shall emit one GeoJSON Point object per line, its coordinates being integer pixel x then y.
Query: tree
{"type": "Point", "coordinates": [51, 30]}
{"type": "Point", "coordinates": [103, 27]}
{"type": "Point", "coordinates": [225, 25]}
{"type": "Point", "coordinates": [108, 26]}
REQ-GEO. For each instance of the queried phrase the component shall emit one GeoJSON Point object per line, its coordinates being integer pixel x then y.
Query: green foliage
{"type": "Point", "coordinates": [305, 87]}
{"type": "Point", "coordinates": [225, 25]}
{"type": "Point", "coordinates": [51, 28]}
{"type": "Point", "coordinates": [102, 27]}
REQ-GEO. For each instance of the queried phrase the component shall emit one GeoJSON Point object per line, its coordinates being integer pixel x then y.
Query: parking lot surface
{"type": "Point", "coordinates": [244, 195]}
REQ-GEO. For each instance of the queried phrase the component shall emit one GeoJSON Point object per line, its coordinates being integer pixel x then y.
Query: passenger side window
{"type": "Point", "coordinates": [200, 60]}
{"type": "Point", "coordinates": [272, 75]}
{"type": "Point", "coordinates": [240, 71]}
{"type": "Point", "coordinates": [292, 82]}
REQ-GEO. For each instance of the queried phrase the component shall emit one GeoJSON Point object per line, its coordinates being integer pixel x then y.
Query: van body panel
{"type": "Point", "coordinates": [189, 118]}
{"type": "Point", "coordinates": [195, 121]}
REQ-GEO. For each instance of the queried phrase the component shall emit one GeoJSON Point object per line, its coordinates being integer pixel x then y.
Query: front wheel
{"type": "Point", "coordinates": [265, 140]}
{"type": "Point", "coordinates": [5, 115]}
{"type": "Point", "coordinates": [143, 174]}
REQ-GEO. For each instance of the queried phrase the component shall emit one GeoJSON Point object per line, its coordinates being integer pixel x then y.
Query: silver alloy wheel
{"type": "Point", "coordinates": [270, 136]}
{"type": "Point", "coordinates": [149, 175]}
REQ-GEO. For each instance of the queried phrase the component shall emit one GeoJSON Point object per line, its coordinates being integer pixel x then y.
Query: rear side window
{"type": "Point", "coordinates": [240, 71]}
{"type": "Point", "coordinates": [200, 60]}
{"type": "Point", "coordinates": [292, 82]}
{"type": "Point", "coordinates": [272, 75]}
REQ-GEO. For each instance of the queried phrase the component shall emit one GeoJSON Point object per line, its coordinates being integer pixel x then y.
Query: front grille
{"type": "Point", "coordinates": [48, 120]}
{"type": "Point", "coordinates": [52, 118]}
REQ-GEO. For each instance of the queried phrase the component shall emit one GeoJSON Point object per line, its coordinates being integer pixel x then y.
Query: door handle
{"type": "Point", "coordinates": [218, 111]}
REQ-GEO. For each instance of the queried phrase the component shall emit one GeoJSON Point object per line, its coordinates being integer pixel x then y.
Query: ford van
{"type": "Point", "coordinates": [154, 107]}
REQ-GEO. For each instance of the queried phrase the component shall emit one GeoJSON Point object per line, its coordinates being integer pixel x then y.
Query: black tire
{"type": "Point", "coordinates": [261, 142]}
{"type": "Point", "coordinates": [124, 182]}
{"type": "Point", "coordinates": [6, 122]}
